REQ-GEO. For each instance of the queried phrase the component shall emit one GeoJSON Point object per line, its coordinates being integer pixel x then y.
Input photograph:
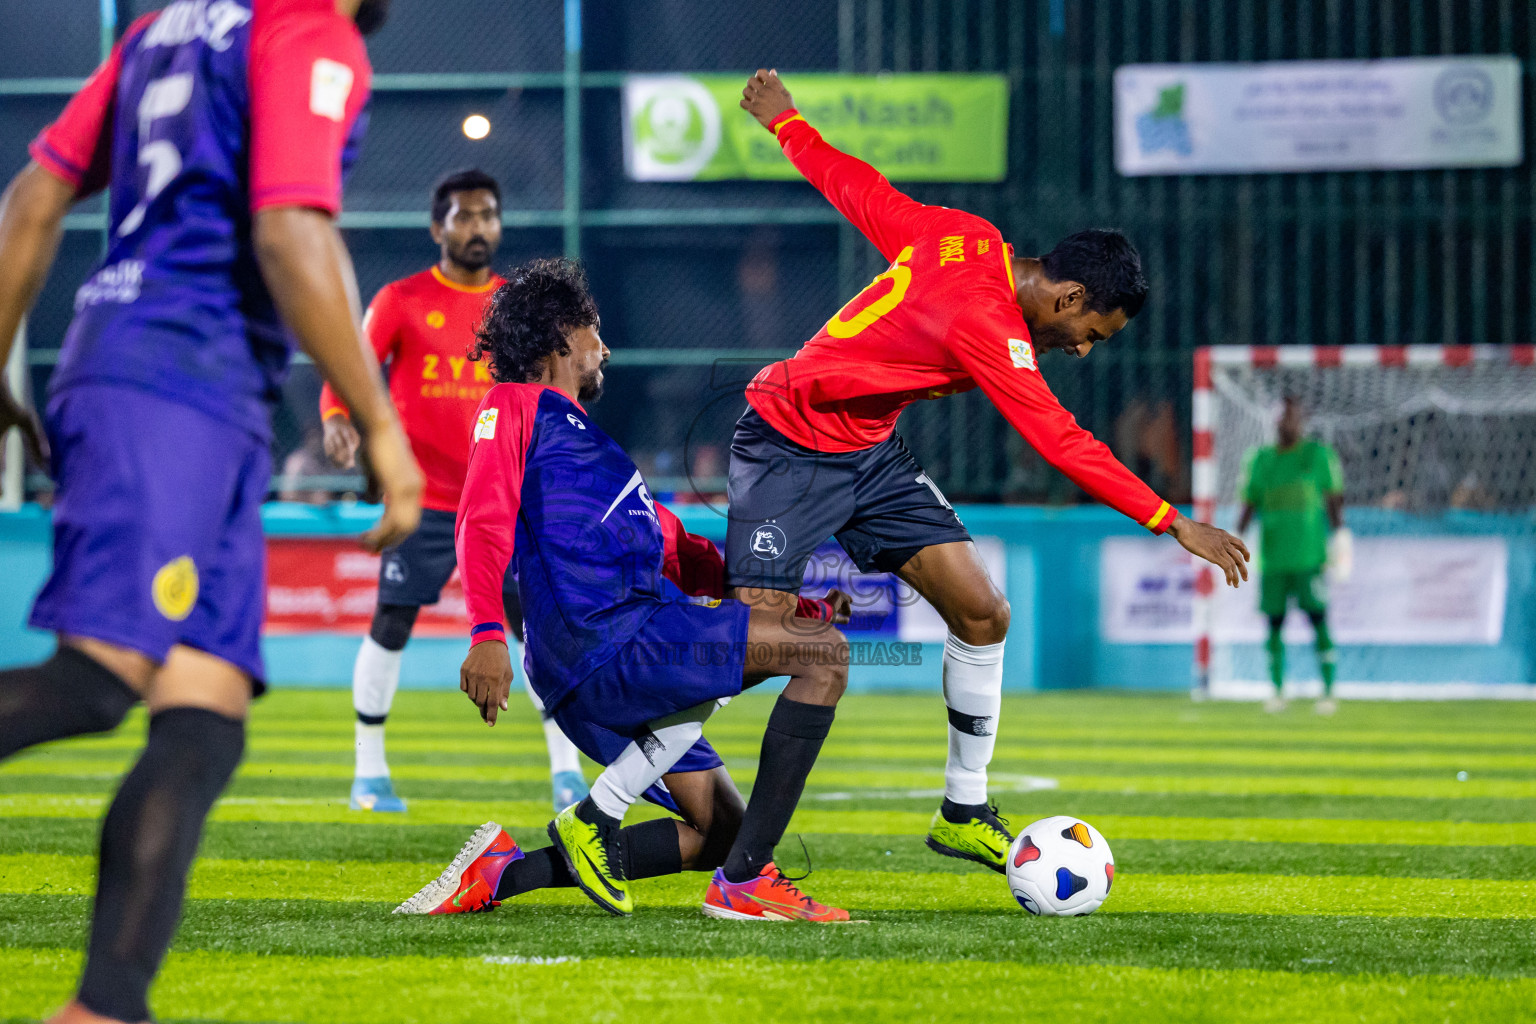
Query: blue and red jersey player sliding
{"type": "Point", "coordinates": [625, 639]}
{"type": "Point", "coordinates": [224, 131]}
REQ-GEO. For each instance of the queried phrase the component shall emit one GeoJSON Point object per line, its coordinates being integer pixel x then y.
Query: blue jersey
{"type": "Point", "coordinates": [595, 556]}
{"type": "Point", "coordinates": [206, 112]}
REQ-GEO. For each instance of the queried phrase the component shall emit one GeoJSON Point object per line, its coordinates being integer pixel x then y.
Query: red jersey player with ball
{"type": "Point", "coordinates": [816, 454]}
{"type": "Point", "coordinates": [423, 326]}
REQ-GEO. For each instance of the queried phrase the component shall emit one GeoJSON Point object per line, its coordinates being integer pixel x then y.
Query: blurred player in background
{"type": "Point", "coordinates": [631, 664]}
{"type": "Point", "coordinates": [422, 327]}
{"type": "Point", "coordinates": [1297, 488]}
{"type": "Point", "coordinates": [816, 454]}
{"type": "Point", "coordinates": [224, 133]}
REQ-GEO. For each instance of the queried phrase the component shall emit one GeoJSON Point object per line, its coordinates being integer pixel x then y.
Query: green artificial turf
{"type": "Point", "coordinates": [1269, 868]}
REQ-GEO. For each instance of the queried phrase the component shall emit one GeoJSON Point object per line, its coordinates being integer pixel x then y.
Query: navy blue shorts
{"type": "Point", "coordinates": [684, 655]}
{"type": "Point", "coordinates": [415, 571]}
{"type": "Point", "coordinates": [787, 499]}
{"type": "Point", "coordinates": [157, 536]}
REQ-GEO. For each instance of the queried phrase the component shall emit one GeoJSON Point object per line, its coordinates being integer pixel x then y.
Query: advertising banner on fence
{"type": "Point", "coordinates": [1404, 590]}
{"type": "Point", "coordinates": [910, 127]}
{"type": "Point", "coordinates": [329, 584]}
{"type": "Point", "coordinates": [1335, 115]}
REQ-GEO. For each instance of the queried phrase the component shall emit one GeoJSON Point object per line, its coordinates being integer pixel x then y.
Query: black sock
{"type": "Point", "coordinates": [70, 694]}
{"type": "Point", "coordinates": [790, 745]}
{"type": "Point", "coordinates": [650, 849]}
{"type": "Point", "coordinates": [537, 869]}
{"type": "Point", "coordinates": [959, 814]}
{"type": "Point", "coordinates": [148, 841]}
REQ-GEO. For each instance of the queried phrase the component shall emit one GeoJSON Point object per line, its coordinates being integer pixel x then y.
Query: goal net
{"type": "Point", "coordinates": [1438, 448]}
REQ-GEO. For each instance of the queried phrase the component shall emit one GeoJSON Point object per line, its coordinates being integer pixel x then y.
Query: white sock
{"type": "Point", "coordinates": [563, 755]}
{"type": "Point", "coordinates": [973, 692]}
{"type": "Point", "coordinates": [642, 764]}
{"type": "Point", "coordinates": [375, 677]}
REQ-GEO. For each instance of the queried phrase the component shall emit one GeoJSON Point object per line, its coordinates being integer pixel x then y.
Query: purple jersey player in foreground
{"type": "Point", "coordinates": [224, 131]}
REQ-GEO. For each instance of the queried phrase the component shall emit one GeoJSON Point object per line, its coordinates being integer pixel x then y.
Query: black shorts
{"type": "Point", "coordinates": [415, 571]}
{"type": "Point", "coordinates": [786, 500]}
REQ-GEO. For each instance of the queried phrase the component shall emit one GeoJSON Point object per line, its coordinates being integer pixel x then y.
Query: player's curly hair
{"type": "Point", "coordinates": [1103, 262]}
{"type": "Point", "coordinates": [528, 318]}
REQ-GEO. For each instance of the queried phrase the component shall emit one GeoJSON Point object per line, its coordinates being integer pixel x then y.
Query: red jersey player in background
{"type": "Point", "coordinates": [816, 454]}
{"type": "Point", "coordinates": [423, 327]}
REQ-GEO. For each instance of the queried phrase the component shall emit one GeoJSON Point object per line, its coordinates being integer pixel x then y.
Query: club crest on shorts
{"type": "Point", "coordinates": [174, 588]}
{"type": "Point", "coordinates": [768, 541]}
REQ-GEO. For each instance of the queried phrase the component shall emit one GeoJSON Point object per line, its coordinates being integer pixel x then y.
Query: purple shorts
{"type": "Point", "coordinates": [157, 536]}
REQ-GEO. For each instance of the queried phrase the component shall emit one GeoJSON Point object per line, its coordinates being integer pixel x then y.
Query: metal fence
{"type": "Point", "coordinates": [702, 283]}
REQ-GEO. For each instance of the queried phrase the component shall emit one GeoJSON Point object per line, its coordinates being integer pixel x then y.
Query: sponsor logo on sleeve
{"type": "Point", "coordinates": [485, 426]}
{"type": "Point", "coordinates": [1022, 353]}
{"type": "Point", "coordinates": [330, 83]}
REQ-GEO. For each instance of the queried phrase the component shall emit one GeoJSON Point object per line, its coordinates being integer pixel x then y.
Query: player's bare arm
{"type": "Point", "coordinates": [486, 677]}
{"type": "Point", "coordinates": [305, 266]}
{"type": "Point", "coordinates": [31, 218]}
{"type": "Point", "coordinates": [1215, 545]}
{"type": "Point", "coordinates": [765, 97]}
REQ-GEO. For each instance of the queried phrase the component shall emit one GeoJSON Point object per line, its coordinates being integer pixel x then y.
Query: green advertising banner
{"type": "Point", "coordinates": [911, 127]}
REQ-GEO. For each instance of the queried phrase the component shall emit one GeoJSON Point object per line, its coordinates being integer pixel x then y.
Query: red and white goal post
{"type": "Point", "coordinates": [1438, 446]}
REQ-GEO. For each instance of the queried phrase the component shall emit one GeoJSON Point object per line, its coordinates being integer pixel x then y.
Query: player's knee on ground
{"type": "Point", "coordinates": [392, 625]}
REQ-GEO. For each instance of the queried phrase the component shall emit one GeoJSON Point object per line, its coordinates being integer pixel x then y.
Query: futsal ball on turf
{"type": "Point", "coordinates": [1060, 867]}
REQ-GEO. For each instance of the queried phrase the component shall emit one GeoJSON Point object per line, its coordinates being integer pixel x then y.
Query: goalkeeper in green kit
{"type": "Point", "coordinates": [1297, 488]}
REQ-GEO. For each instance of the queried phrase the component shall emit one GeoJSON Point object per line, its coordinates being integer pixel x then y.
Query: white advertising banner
{"type": "Point", "coordinates": [1336, 115]}
{"type": "Point", "coordinates": [1404, 590]}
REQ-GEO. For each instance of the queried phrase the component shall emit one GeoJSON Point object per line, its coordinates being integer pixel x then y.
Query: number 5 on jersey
{"type": "Point", "coordinates": [900, 277]}
{"type": "Point", "coordinates": [164, 97]}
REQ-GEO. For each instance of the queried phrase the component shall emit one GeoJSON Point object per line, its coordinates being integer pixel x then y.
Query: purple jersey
{"type": "Point", "coordinates": [206, 112]}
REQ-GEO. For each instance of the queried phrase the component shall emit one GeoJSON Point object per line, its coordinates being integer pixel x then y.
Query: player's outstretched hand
{"type": "Point", "coordinates": [399, 478]}
{"type": "Point", "coordinates": [1223, 550]}
{"type": "Point", "coordinates": [486, 676]}
{"type": "Point", "coordinates": [765, 97]}
{"type": "Point", "coordinates": [341, 440]}
{"type": "Point", "coordinates": [14, 414]}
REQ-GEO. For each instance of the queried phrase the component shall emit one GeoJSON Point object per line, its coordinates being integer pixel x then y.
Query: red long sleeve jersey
{"type": "Point", "coordinates": [424, 325]}
{"type": "Point", "coordinates": [941, 320]}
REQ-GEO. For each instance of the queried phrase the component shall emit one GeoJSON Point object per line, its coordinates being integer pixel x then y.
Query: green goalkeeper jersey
{"type": "Point", "coordinates": [1289, 490]}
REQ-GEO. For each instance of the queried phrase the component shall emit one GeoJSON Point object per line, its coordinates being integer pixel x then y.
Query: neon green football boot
{"type": "Point", "coordinates": [594, 860]}
{"type": "Point", "coordinates": [982, 837]}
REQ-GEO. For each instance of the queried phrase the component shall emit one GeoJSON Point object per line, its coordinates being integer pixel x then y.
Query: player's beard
{"type": "Point", "coordinates": [591, 388]}
{"type": "Point", "coordinates": [371, 16]}
{"type": "Point", "coordinates": [1049, 336]}
{"type": "Point", "coordinates": [473, 255]}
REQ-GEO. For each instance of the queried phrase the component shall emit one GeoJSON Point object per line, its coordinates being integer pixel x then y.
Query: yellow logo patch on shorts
{"type": "Point", "coordinates": [175, 588]}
